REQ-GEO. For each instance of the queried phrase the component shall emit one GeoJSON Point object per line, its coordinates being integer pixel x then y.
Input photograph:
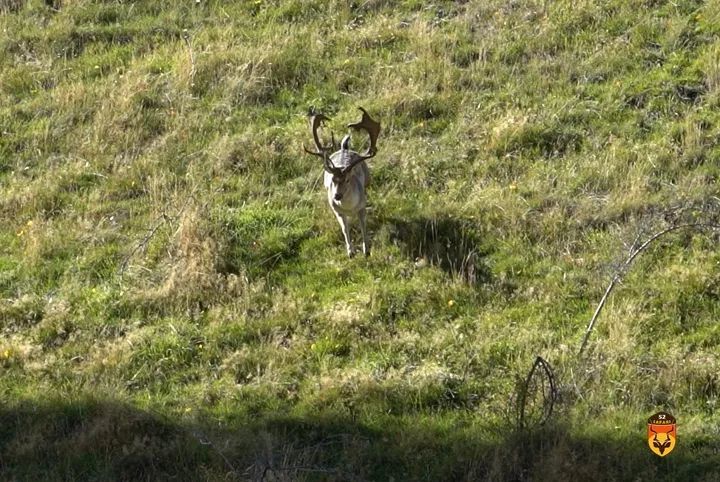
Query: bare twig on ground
{"type": "Point", "coordinates": [207, 442]}
{"type": "Point", "coordinates": [540, 378]}
{"type": "Point", "coordinates": [159, 222]}
{"type": "Point", "coordinates": [674, 218]}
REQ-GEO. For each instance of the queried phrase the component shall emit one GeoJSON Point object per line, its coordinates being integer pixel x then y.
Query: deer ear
{"type": "Point", "coordinates": [345, 143]}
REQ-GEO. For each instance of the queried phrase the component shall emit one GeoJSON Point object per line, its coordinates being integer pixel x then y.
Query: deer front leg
{"type": "Point", "coordinates": [342, 219]}
{"type": "Point", "coordinates": [366, 243]}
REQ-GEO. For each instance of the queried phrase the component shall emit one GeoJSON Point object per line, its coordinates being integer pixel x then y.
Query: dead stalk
{"type": "Point", "coordinates": [635, 251]}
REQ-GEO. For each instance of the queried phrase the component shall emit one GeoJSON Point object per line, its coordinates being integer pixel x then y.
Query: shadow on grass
{"type": "Point", "coordinates": [94, 441]}
{"type": "Point", "coordinates": [99, 440]}
{"type": "Point", "coordinates": [450, 243]}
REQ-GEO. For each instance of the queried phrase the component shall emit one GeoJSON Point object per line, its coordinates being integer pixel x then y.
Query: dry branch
{"type": "Point", "coordinates": [159, 222]}
{"type": "Point", "coordinates": [540, 378]}
{"type": "Point", "coordinates": [672, 216]}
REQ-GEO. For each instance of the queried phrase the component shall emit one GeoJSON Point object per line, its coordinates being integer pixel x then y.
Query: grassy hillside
{"type": "Point", "coordinates": [175, 298]}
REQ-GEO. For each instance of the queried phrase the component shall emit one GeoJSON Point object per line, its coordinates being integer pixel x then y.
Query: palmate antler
{"type": "Point", "coordinates": [370, 126]}
{"type": "Point", "coordinates": [316, 119]}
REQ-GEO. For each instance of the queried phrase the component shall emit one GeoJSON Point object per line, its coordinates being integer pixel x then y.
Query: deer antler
{"type": "Point", "coordinates": [372, 127]}
{"type": "Point", "coordinates": [366, 123]}
{"type": "Point", "coordinates": [316, 119]}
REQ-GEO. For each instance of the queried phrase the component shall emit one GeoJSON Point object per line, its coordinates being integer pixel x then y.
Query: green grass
{"type": "Point", "coordinates": [175, 298]}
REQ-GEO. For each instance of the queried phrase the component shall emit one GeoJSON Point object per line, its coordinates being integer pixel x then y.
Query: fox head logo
{"type": "Point", "coordinates": [662, 435]}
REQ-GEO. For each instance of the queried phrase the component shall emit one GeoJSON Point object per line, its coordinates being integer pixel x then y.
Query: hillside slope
{"type": "Point", "coordinates": [175, 299]}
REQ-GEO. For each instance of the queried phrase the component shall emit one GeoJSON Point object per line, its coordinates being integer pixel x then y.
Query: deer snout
{"type": "Point", "coordinates": [338, 196]}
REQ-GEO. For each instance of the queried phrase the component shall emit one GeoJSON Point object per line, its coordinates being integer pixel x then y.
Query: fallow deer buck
{"type": "Point", "coordinates": [346, 174]}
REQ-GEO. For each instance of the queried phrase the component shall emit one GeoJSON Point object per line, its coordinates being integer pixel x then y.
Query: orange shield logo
{"type": "Point", "coordinates": [661, 433]}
